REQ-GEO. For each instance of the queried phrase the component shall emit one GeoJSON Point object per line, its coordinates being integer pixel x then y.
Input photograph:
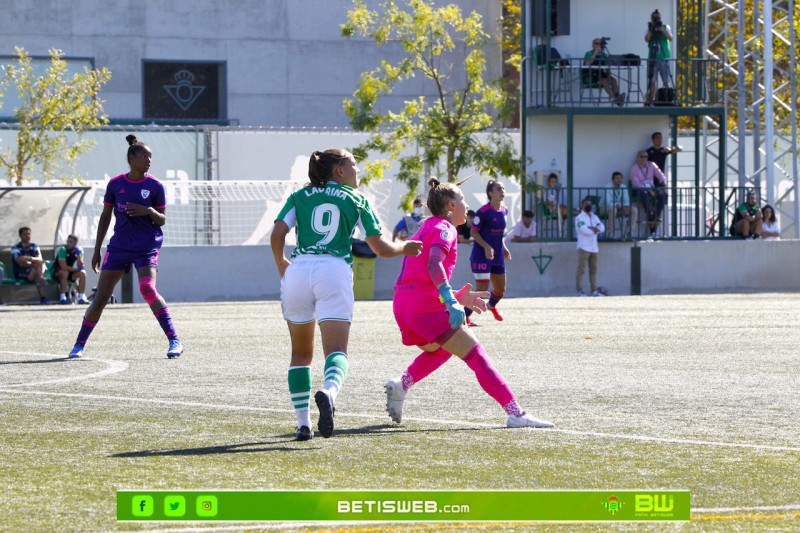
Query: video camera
{"type": "Point", "coordinates": [604, 41]}
{"type": "Point", "coordinates": [655, 21]}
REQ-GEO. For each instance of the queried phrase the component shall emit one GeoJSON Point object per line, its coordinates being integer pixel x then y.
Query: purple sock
{"type": "Point", "coordinates": [165, 321]}
{"type": "Point", "coordinates": [86, 330]}
{"type": "Point", "coordinates": [494, 298]}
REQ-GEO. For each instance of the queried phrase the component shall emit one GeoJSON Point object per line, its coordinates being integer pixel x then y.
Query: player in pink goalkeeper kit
{"type": "Point", "coordinates": [432, 317]}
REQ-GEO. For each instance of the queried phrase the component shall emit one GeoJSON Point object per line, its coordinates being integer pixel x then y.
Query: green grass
{"type": "Point", "coordinates": [647, 392]}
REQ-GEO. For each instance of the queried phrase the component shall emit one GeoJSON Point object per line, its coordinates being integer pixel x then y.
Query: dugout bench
{"type": "Point", "coordinates": [17, 291]}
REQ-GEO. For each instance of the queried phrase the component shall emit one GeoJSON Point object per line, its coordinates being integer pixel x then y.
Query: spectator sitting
{"type": "Point", "coordinates": [649, 184]}
{"type": "Point", "coordinates": [525, 229]}
{"type": "Point", "coordinates": [593, 77]}
{"type": "Point", "coordinates": [27, 262]}
{"type": "Point", "coordinates": [67, 267]}
{"type": "Point", "coordinates": [409, 224]}
{"type": "Point", "coordinates": [555, 198]}
{"type": "Point", "coordinates": [463, 230]}
{"type": "Point", "coordinates": [747, 218]}
{"type": "Point", "coordinates": [770, 230]}
{"type": "Point", "coordinates": [616, 203]}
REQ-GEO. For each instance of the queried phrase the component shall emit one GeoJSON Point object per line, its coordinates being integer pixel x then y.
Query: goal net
{"type": "Point", "coordinates": [214, 213]}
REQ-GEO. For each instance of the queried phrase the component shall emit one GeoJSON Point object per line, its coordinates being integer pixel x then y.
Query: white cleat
{"type": "Point", "coordinates": [395, 396]}
{"type": "Point", "coordinates": [527, 421]}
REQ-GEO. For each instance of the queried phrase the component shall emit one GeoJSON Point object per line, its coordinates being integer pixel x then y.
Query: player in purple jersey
{"type": "Point", "coordinates": [138, 203]}
{"type": "Point", "coordinates": [489, 252]}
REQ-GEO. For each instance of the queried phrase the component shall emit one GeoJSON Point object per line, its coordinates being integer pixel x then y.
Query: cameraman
{"type": "Point", "coordinates": [593, 77]}
{"type": "Point", "coordinates": [658, 38]}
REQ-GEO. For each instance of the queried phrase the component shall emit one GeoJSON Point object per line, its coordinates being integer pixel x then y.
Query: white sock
{"type": "Point", "coordinates": [62, 295]}
{"type": "Point", "coordinates": [303, 417]}
{"type": "Point", "coordinates": [333, 389]}
{"type": "Point", "coordinates": [81, 295]}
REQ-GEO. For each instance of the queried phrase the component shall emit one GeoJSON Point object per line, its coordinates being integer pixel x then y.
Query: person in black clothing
{"type": "Point", "coordinates": [658, 153]}
{"type": "Point", "coordinates": [463, 230]}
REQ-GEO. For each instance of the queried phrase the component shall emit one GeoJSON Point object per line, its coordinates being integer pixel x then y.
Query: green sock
{"type": "Point", "coordinates": [336, 367]}
{"type": "Point", "coordinates": [300, 393]}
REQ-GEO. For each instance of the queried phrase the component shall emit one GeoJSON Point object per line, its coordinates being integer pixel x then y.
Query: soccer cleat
{"type": "Point", "coordinates": [496, 313]}
{"type": "Point", "coordinates": [303, 433]}
{"type": "Point", "coordinates": [395, 396]}
{"type": "Point", "coordinates": [175, 348]}
{"type": "Point", "coordinates": [63, 300]}
{"type": "Point", "coordinates": [470, 323]}
{"type": "Point", "coordinates": [326, 410]}
{"type": "Point", "coordinates": [44, 301]}
{"type": "Point", "coordinates": [77, 351]}
{"type": "Point", "coordinates": [527, 421]}
{"type": "Point", "coordinates": [581, 293]}
{"type": "Point", "coordinates": [83, 300]}
{"type": "Point", "coordinates": [598, 292]}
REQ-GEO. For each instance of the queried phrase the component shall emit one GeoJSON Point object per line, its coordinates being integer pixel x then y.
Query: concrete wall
{"type": "Point", "coordinates": [286, 62]}
{"type": "Point", "coordinates": [207, 274]}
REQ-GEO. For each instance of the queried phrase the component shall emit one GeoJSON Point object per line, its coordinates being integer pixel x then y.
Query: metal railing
{"type": "Point", "coordinates": [688, 212]}
{"type": "Point", "coordinates": [567, 82]}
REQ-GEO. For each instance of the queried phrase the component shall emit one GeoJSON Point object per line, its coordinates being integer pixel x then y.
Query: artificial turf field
{"type": "Point", "coordinates": [693, 392]}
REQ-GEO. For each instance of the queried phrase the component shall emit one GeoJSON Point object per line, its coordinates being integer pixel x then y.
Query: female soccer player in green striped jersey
{"type": "Point", "coordinates": [317, 284]}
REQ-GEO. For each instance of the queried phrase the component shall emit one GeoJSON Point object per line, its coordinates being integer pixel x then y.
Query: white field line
{"type": "Point", "coordinates": [112, 367]}
{"type": "Point", "coordinates": [119, 366]}
{"type": "Point", "coordinates": [461, 423]}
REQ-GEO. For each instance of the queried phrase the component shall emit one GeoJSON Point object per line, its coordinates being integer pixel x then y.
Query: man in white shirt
{"type": "Point", "coordinates": [587, 227]}
{"type": "Point", "coordinates": [524, 230]}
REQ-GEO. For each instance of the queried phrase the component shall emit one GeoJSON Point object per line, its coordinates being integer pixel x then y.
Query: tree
{"type": "Point", "coordinates": [447, 127]}
{"type": "Point", "coordinates": [52, 106]}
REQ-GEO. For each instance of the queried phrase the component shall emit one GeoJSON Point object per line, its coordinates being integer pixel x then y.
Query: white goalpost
{"type": "Point", "coordinates": [214, 213]}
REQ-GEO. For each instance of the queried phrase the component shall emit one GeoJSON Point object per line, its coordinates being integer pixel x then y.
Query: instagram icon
{"type": "Point", "coordinates": [206, 506]}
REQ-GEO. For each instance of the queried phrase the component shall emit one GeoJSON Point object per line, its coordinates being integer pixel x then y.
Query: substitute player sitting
{"type": "Point", "coordinates": [69, 266]}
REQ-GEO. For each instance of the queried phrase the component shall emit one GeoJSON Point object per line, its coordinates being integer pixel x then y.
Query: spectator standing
{"type": "Point", "coordinates": [27, 262]}
{"type": "Point", "coordinates": [464, 230]}
{"type": "Point", "coordinates": [410, 223]}
{"type": "Point", "coordinates": [747, 219]}
{"type": "Point", "coordinates": [587, 227]}
{"type": "Point", "coordinates": [658, 153]}
{"type": "Point", "coordinates": [524, 230]}
{"type": "Point", "coordinates": [658, 37]}
{"type": "Point", "coordinates": [68, 266]}
{"type": "Point", "coordinates": [770, 230]}
{"type": "Point", "coordinates": [649, 183]}
{"type": "Point", "coordinates": [616, 204]}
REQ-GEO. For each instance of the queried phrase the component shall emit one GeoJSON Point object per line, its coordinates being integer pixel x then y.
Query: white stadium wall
{"type": "Point", "coordinates": [233, 273]}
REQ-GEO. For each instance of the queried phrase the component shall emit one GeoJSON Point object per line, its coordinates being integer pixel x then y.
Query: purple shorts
{"type": "Point", "coordinates": [122, 260]}
{"type": "Point", "coordinates": [419, 328]}
{"type": "Point", "coordinates": [488, 268]}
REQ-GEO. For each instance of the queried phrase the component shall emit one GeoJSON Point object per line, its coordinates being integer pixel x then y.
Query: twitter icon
{"type": "Point", "coordinates": [174, 506]}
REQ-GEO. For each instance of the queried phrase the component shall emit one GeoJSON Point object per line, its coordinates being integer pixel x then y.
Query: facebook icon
{"type": "Point", "coordinates": [142, 505]}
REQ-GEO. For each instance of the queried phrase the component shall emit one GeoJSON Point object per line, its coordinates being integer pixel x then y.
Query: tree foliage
{"type": "Point", "coordinates": [53, 105]}
{"type": "Point", "coordinates": [445, 127]}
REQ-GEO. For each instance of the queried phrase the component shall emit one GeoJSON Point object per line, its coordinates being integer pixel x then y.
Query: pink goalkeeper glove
{"type": "Point", "coordinates": [472, 300]}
